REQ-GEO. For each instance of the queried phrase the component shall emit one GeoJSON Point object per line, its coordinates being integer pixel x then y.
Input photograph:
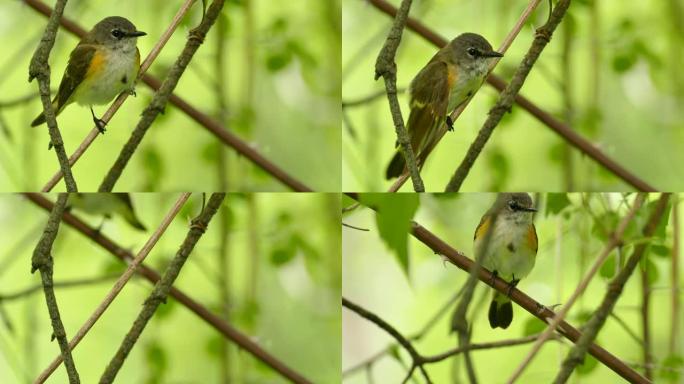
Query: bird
{"type": "Point", "coordinates": [108, 205]}
{"type": "Point", "coordinates": [451, 77]}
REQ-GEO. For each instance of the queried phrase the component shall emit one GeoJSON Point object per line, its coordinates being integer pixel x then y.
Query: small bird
{"type": "Point", "coordinates": [107, 204]}
{"type": "Point", "coordinates": [450, 78]}
{"type": "Point", "coordinates": [104, 63]}
{"type": "Point", "coordinates": [511, 249]}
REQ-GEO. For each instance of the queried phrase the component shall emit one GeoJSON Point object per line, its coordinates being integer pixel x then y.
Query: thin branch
{"type": "Point", "coordinates": [118, 286]}
{"type": "Point", "coordinates": [42, 260]}
{"type": "Point", "coordinates": [544, 117]}
{"type": "Point", "coordinates": [404, 342]}
{"type": "Point", "coordinates": [480, 346]}
{"type": "Point", "coordinates": [674, 276]}
{"type": "Point", "coordinates": [646, 321]}
{"type": "Point", "coordinates": [211, 125]}
{"type": "Point", "coordinates": [161, 289]}
{"type": "Point", "coordinates": [440, 247]}
{"type": "Point", "coordinates": [595, 323]}
{"type": "Point", "coordinates": [39, 69]}
{"type": "Point", "coordinates": [387, 68]}
{"type": "Point", "coordinates": [614, 242]}
{"type": "Point", "coordinates": [506, 99]}
{"type": "Point", "coordinates": [368, 99]}
{"type": "Point", "coordinates": [243, 341]}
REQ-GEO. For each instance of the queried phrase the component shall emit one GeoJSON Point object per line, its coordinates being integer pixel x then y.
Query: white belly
{"type": "Point", "coordinates": [508, 252]}
{"type": "Point", "coordinates": [117, 76]}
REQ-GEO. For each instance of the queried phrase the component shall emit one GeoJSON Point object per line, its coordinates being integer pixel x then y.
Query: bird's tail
{"type": "Point", "coordinates": [396, 166]}
{"type": "Point", "coordinates": [500, 311]}
{"type": "Point", "coordinates": [41, 118]}
{"type": "Point", "coordinates": [131, 219]}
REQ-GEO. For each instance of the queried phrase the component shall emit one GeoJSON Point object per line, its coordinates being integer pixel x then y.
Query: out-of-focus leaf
{"type": "Point", "coordinates": [498, 164]}
{"type": "Point", "coordinates": [154, 168]}
{"type": "Point", "coordinates": [604, 224]}
{"type": "Point", "coordinates": [671, 367]}
{"type": "Point", "coordinates": [213, 346]}
{"type": "Point", "coordinates": [587, 366]}
{"type": "Point", "coordinates": [157, 362]}
{"type": "Point", "coordinates": [661, 250]}
{"type": "Point", "coordinates": [166, 309]}
{"type": "Point", "coordinates": [556, 202]}
{"type": "Point", "coordinates": [533, 326]}
{"type": "Point", "coordinates": [651, 269]}
{"type": "Point", "coordinates": [608, 270]}
{"type": "Point", "coordinates": [393, 218]}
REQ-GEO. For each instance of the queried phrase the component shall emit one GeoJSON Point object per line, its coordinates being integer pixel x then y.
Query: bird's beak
{"type": "Point", "coordinates": [492, 54]}
{"type": "Point", "coordinates": [135, 34]}
{"type": "Point", "coordinates": [528, 209]}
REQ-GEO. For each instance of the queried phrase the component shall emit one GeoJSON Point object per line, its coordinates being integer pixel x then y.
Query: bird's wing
{"type": "Point", "coordinates": [532, 240]}
{"type": "Point", "coordinates": [81, 61]}
{"type": "Point", "coordinates": [429, 98]}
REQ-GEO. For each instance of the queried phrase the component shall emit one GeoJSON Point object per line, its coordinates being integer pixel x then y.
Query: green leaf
{"type": "Point", "coordinates": [156, 359]}
{"type": "Point", "coordinates": [556, 202]}
{"type": "Point", "coordinates": [671, 367]}
{"type": "Point", "coordinates": [607, 270]}
{"type": "Point", "coordinates": [394, 213]}
{"type": "Point", "coordinates": [651, 268]}
{"type": "Point", "coordinates": [533, 326]}
{"type": "Point", "coordinates": [604, 225]}
{"type": "Point", "coordinates": [661, 250]}
{"type": "Point", "coordinates": [283, 254]}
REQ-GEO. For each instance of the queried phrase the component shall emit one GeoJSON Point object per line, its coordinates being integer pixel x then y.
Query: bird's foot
{"type": "Point", "coordinates": [450, 124]}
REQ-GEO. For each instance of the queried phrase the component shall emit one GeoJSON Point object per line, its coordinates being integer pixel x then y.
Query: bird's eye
{"type": "Point", "coordinates": [117, 33]}
{"type": "Point", "coordinates": [513, 205]}
{"type": "Point", "coordinates": [473, 52]}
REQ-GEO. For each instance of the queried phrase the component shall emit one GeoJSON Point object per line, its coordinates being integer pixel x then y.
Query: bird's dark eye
{"type": "Point", "coordinates": [473, 52]}
{"type": "Point", "coordinates": [117, 33]}
{"type": "Point", "coordinates": [513, 205]}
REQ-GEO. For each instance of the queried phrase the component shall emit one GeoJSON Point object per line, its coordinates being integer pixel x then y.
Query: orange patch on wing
{"type": "Point", "coordinates": [96, 64]}
{"type": "Point", "coordinates": [532, 241]}
{"type": "Point", "coordinates": [483, 227]}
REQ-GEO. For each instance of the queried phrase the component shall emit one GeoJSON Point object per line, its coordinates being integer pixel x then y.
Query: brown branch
{"type": "Point", "coordinates": [243, 341]}
{"type": "Point", "coordinates": [161, 290]}
{"type": "Point", "coordinates": [595, 323]}
{"type": "Point", "coordinates": [42, 260]}
{"type": "Point", "coordinates": [211, 125]}
{"type": "Point", "coordinates": [439, 247]}
{"type": "Point", "coordinates": [646, 322]}
{"type": "Point", "coordinates": [39, 69]}
{"type": "Point", "coordinates": [544, 117]}
{"type": "Point", "coordinates": [387, 68]}
{"type": "Point", "coordinates": [118, 286]}
{"type": "Point", "coordinates": [57, 284]}
{"type": "Point", "coordinates": [161, 97]}
{"type": "Point", "coordinates": [505, 102]}
{"type": "Point", "coordinates": [417, 359]}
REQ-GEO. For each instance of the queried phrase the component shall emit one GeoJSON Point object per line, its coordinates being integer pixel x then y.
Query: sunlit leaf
{"type": "Point", "coordinates": [556, 202]}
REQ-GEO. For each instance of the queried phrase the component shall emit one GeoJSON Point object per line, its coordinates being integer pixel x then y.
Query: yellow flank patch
{"type": "Point", "coordinates": [483, 227]}
{"type": "Point", "coordinates": [96, 64]}
{"type": "Point", "coordinates": [532, 238]}
{"type": "Point", "coordinates": [452, 75]}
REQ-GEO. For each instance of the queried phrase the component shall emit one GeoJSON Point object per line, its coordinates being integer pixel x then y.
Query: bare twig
{"type": "Point", "coordinates": [403, 341]}
{"type": "Point", "coordinates": [615, 241]}
{"type": "Point", "coordinates": [42, 260]}
{"type": "Point", "coordinates": [57, 284]}
{"type": "Point", "coordinates": [544, 117]}
{"type": "Point", "coordinates": [507, 97]}
{"type": "Point", "coordinates": [161, 289]}
{"type": "Point", "coordinates": [243, 341]}
{"type": "Point", "coordinates": [646, 321]}
{"type": "Point", "coordinates": [387, 68]}
{"type": "Point", "coordinates": [595, 323]}
{"type": "Point", "coordinates": [40, 69]}
{"type": "Point", "coordinates": [118, 286]}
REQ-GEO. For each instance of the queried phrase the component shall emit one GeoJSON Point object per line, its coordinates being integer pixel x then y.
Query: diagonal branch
{"type": "Point", "coordinates": [161, 290]}
{"type": "Point", "coordinates": [243, 341]}
{"type": "Point", "coordinates": [213, 126]}
{"type": "Point", "coordinates": [614, 242]}
{"type": "Point", "coordinates": [546, 118]}
{"type": "Point", "coordinates": [40, 69]}
{"type": "Point", "coordinates": [387, 68]}
{"type": "Point", "coordinates": [440, 247]}
{"type": "Point", "coordinates": [598, 318]}
{"type": "Point", "coordinates": [42, 260]}
{"type": "Point", "coordinates": [161, 98]}
{"type": "Point", "coordinates": [118, 286]}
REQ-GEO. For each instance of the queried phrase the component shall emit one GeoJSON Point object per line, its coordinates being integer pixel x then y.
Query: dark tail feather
{"type": "Point", "coordinates": [396, 166]}
{"type": "Point", "coordinates": [500, 312]}
{"type": "Point", "coordinates": [38, 120]}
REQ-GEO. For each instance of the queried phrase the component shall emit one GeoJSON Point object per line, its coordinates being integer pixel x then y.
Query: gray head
{"type": "Point", "coordinates": [472, 52]}
{"type": "Point", "coordinates": [115, 32]}
{"type": "Point", "coordinates": [515, 206]}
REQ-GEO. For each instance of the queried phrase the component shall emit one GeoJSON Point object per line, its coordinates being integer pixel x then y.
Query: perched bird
{"type": "Point", "coordinates": [107, 204]}
{"type": "Point", "coordinates": [104, 63]}
{"type": "Point", "coordinates": [451, 77]}
{"type": "Point", "coordinates": [509, 246]}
